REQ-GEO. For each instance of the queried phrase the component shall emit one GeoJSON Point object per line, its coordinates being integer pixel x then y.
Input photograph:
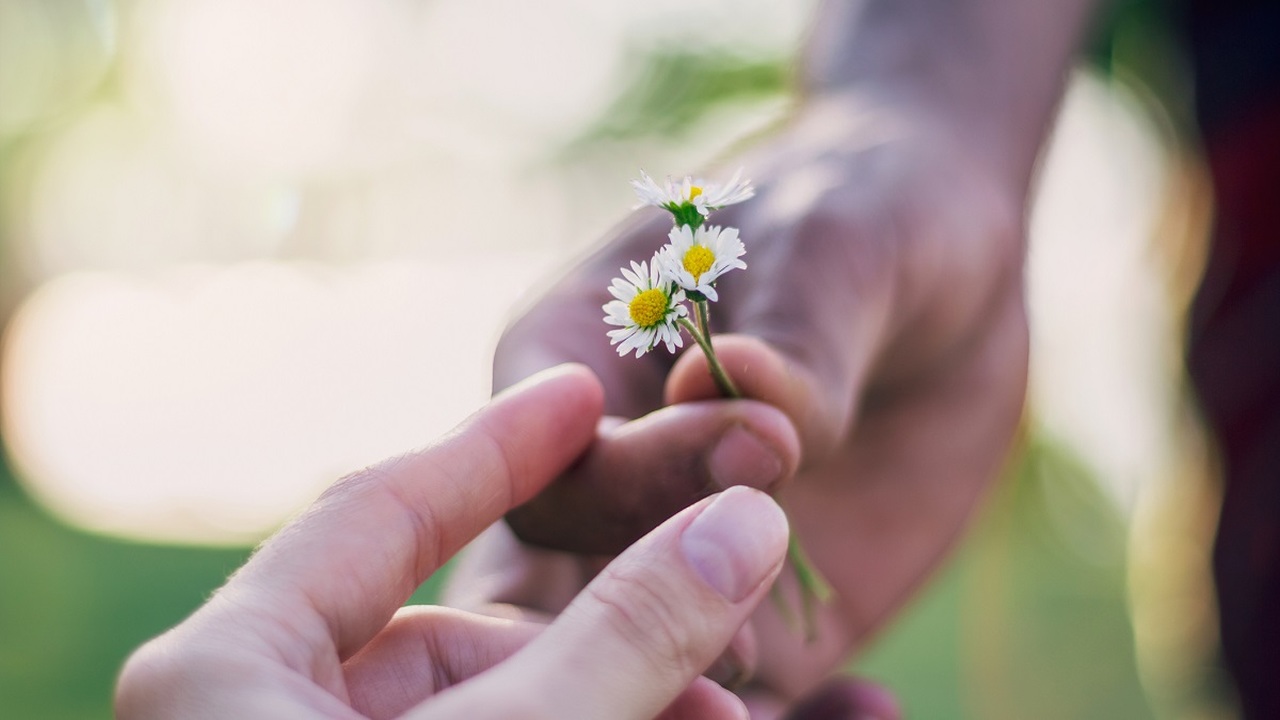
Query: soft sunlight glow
{"type": "Point", "coordinates": [268, 84]}
{"type": "Point", "coordinates": [208, 405]}
{"type": "Point", "coordinates": [1105, 355]}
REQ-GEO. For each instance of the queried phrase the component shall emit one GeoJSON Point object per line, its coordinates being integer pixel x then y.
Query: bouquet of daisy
{"type": "Point", "coordinates": [651, 307]}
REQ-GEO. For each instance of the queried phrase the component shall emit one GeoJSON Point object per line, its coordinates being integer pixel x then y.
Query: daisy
{"type": "Point", "coordinates": [646, 310]}
{"type": "Point", "coordinates": [691, 195]}
{"type": "Point", "coordinates": [717, 195]}
{"type": "Point", "coordinates": [694, 259]}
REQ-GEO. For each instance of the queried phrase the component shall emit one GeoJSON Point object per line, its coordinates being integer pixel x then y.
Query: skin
{"type": "Point", "coordinates": [312, 625]}
{"type": "Point", "coordinates": [880, 331]}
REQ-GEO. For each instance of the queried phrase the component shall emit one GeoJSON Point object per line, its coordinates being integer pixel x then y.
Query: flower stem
{"type": "Point", "coordinates": [726, 386]}
{"type": "Point", "coordinates": [702, 317]}
{"type": "Point", "coordinates": [814, 589]}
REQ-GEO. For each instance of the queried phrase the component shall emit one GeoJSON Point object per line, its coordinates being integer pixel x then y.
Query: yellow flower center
{"type": "Point", "coordinates": [648, 308]}
{"type": "Point", "coordinates": [694, 191]}
{"type": "Point", "coordinates": [698, 260]}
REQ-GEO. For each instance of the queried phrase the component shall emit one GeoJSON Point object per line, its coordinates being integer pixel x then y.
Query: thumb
{"type": "Point", "coordinates": [761, 372]}
{"type": "Point", "coordinates": [647, 626]}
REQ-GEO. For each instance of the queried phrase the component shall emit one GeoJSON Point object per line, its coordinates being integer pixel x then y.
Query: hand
{"type": "Point", "coordinates": [882, 313]}
{"type": "Point", "coordinates": [313, 626]}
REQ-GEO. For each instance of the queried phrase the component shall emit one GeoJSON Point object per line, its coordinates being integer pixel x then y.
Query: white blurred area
{"type": "Point", "coordinates": [281, 244]}
{"type": "Point", "coordinates": [208, 404]}
{"type": "Point", "coordinates": [1106, 357]}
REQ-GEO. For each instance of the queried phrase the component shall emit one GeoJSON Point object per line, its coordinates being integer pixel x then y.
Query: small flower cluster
{"type": "Point", "coordinates": [649, 309]}
{"type": "Point", "coordinates": [649, 305]}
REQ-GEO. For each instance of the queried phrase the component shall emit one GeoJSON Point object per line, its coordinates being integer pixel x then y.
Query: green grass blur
{"type": "Point", "coordinates": [73, 605]}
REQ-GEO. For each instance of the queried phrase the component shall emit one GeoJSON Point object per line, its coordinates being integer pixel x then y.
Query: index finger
{"type": "Point", "coordinates": [341, 570]}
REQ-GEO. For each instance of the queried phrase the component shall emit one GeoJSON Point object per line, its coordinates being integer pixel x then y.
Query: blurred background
{"type": "Point", "coordinates": [240, 249]}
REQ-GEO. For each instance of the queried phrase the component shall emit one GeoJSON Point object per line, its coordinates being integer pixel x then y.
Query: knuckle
{"type": "Point", "coordinates": [149, 676]}
{"type": "Point", "coordinates": [139, 677]}
{"type": "Point", "coordinates": [646, 617]}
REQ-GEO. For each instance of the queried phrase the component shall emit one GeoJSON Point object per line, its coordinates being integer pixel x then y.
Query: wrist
{"type": "Point", "coordinates": [992, 70]}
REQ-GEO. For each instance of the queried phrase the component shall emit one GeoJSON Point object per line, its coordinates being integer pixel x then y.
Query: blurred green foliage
{"type": "Point", "coordinates": [72, 605]}
{"type": "Point", "coordinates": [669, 88]}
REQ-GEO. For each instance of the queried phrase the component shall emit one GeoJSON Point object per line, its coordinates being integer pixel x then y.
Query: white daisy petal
{"type": "Point", "coordinates": [649, 192]}
{"type": "Point", "coordinates": [695, 259]}
{"type": "Point", "coordinates": [645, 311]}
{"type": "Point", "coordinates": [688, 194]}
{"type": "Point", "coordinates": [715, 196]}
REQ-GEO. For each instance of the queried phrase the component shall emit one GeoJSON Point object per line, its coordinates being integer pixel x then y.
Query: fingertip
{"type": "Point", "coordinates": [572, 382]}
{"type": "Point", "coordinates": [566, 400]}
{"type": "Point", "coordinates": [760, 450]}
{"type": "Point", "coordinates": [763, 373]}
{"type": "Point", "coordinates": [736, 543]}
{"type": "Point", "coordinates": [584, 381]}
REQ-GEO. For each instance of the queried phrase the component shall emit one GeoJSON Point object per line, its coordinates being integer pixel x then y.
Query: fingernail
{"type": "Point", "coordinates": [736, 542]}
{"type": "Point", "coordinates": [742, 458]}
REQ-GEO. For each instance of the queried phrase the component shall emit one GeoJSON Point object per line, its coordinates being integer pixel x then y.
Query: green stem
{"type": "Point", "coordinates": [813, 589]}
{"type": "Point", "coordinates": [702, 316]}
{"type": "Point", "coordinates": [727, 388]}
{"type": "Point", "coordinates": [779, 600]}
